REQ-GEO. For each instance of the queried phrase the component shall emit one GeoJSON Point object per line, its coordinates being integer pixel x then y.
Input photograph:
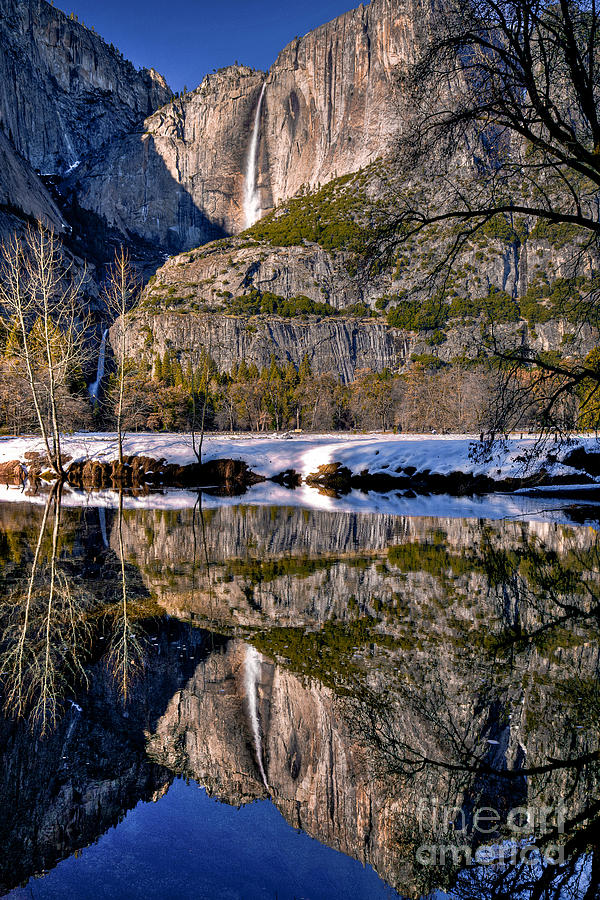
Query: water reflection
{"type": "Point", "coordinates": [384, 680]}
{"type": "Point", "coordinates": [45, 630]}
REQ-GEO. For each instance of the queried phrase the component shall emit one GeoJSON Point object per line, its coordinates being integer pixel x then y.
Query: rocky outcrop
{"type": "Point", "coordinates": [22, 194]}
{"type": "Point", "coordinates": [138, 471]}
{"type": "Point", "coordinates": [338, 345]}
{"type": "Point", "coordinates": [328, 109]}
{"type": "Point", "coordinates": [179, 180]}
{"type": "Point", "coordinates": [233, 268]}
{"type": "Point", "coordinates": [342, 346]}
{"type": "Point", "coordinates": [191, 300]}
{"type": "Point", "coordinates": [63, 90]}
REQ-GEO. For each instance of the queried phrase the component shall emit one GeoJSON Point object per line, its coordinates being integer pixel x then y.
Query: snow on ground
{"type": "Point", "coordinates": [491, 506]}
{"type": "Point", "coordinates": [271, 455]}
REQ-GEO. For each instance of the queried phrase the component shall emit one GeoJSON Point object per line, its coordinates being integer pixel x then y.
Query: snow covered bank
{"type": "Point", "coordinates": [407, 457]}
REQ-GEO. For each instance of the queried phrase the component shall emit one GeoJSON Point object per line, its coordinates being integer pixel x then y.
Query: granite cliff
{"type": "Point", "coordinates": [302, 148]}
{"type": "Point", "coordinates": [22, 193]}
{"type": "Point", "coordinates": [63, 90]}
{"type": "Point", "coordinates": [327, 107]}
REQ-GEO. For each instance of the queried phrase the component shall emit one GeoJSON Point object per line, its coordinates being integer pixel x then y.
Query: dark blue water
{"type": "Point", "coordinates": [188, 845]}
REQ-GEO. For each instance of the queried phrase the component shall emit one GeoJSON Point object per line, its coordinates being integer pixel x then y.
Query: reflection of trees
{"type": "Point", "coordinates": [126, 652]}
{"type": "Point", "coordinates": [503, 714]}
{"type": "Point", "coordinates": [45, 631]}
{"type": "Point", "coordinates": [50, 618]}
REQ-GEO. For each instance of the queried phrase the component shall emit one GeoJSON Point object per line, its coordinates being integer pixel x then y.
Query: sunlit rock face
{"type": "Point", "coordinates": [329, 108]}
{"type": "Point", "coordinates": [179, 179]}
{"type": "Point", "coordinates": [331, 99]}
{"type": "Point", "coordinates": [340, 346]}
{"type": "Point", "coordinates": [63, 90]}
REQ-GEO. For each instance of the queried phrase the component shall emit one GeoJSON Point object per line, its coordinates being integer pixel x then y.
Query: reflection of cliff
{"type": "Point", "coordinates": [253, 566]}
{"type": "Point", "coordinates": [61, 793]}
{"type": "Point", "coordinates": [324, 769]}
{"type": "Point", "coordinates": [382, 650]}
{"type": "Point", "coordinates": [317, 772]}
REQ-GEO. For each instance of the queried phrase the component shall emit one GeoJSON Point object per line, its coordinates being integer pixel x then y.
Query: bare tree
{"type": "Point", "coordinates": [121, 295]}
{"type": "Point", "coordinates": [502, 120]}
{"type": "Point", "coordinates": [41, 295]}
{"type": "Point", "coordinates": [45, 630]}
{"type": "Point", "coordinates": [199, 385]}
{"type": "Point", "coordinates": [126, 654]}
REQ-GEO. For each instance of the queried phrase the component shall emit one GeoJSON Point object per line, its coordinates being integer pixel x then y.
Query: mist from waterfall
{"type": "Point", "coordinates": [251, 679]}
{"type": "Point", "coordinates": [94, 388]}
{"type": "Point", "coordinates": [251, 195]}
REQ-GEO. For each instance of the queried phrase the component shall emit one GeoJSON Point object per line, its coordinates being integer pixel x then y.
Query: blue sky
{"type": "Point", "coordinates": [185, 39]}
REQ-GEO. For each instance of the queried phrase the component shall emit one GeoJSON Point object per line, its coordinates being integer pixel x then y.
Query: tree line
{"type": "Point", "coordinates": [166, 394]}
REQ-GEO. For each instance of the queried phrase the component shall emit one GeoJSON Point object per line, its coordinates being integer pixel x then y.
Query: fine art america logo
{"type": "Point", "coordinates": [448, 828]}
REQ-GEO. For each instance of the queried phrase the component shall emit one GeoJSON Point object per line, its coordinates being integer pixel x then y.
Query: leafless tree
{"type": "Point", "coordinates": [40, 294]}
{"type": "Point", "coordinates": [501, 118]}
{"type": "Point", "coordinates": [126, 651]}
{"type": "Point", "coordinates": [45, 634]}
{"type": "Point", "coordinates": [121, 296]}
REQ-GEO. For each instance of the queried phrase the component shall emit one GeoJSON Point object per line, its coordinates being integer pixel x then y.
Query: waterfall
{"type": "Point", "coordinates": [251, 676]}
{"type": "Point", "coordinates": [251, 194]}
{"type": "Point", "coordinates": [94, 388]}
{"type": "Point", "coordinates": [102, 517]}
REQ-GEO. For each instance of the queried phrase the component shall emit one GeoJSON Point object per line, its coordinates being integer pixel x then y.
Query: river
{"type": "Point", "coordinates": [209, 697]}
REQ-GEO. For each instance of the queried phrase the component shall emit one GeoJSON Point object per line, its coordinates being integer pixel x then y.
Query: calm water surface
{"type": "Point", "coordinates": [252, 701]}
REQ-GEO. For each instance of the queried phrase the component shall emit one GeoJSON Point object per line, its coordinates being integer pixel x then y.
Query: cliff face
{"type": "Point", "coordinates": [330, 100]}
{"type": "Point", "coordinates": [328, 109]}
{"type": "Point", "coordinates": [64, 91]}
{"type": "Point", "coordinates": [179, 179]}
{"type": "Point", "coordinates": [203, 298]}
{"type": "Point", "coordinates": [21, 191]}
{"type": "Point", "coordinates": [341, 346]}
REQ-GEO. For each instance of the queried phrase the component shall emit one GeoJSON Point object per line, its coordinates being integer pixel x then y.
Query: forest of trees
{"type": "Point", "coordinates": [167, 396]}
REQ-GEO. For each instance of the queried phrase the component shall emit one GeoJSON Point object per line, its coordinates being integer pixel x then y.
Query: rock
{"type": "Point", "coordinates": [11, 472]}
{"type": "Point", "coordinates": [581, 459]}
{"type": "Point", "coordinates": [141, 471]}
{"type": "Point", "coordinates": [329, 109]}
{"type": "Point", "coordinates": [332, 477]}
{"type": "Point", "coordinates": [22, 192]}
{"type": "Point", "coordinates": [184, 308]}
{"type": "Point", "coordinates": [63, 90]}
{"type": "Point", "coordinates": [342, 346]}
